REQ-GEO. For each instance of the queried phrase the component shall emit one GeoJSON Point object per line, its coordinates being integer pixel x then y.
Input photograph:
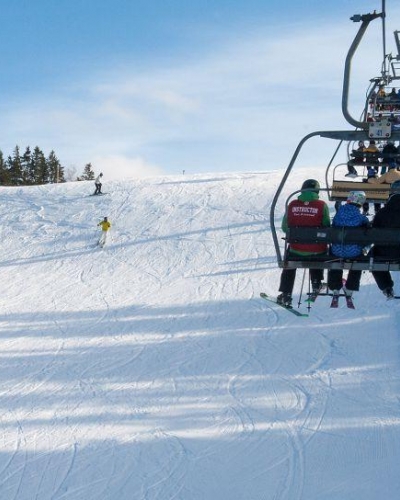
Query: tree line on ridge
{"type": "Point", "coordinates": [34, 167]}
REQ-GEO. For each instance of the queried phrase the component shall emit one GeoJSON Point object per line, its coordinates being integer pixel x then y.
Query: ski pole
{"type": "Point", "coordinates": [301, 288]}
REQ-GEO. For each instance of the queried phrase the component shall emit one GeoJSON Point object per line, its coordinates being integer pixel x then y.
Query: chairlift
{"type": "Point", "coordinates": [338, 188]}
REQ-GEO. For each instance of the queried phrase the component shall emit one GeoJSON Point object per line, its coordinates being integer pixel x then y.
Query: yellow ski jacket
{"type": "Point", "coordinates": [105, 225]}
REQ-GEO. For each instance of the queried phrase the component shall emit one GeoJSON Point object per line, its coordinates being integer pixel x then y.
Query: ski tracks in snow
{"type": "Point", "coordinates": [150, 368]}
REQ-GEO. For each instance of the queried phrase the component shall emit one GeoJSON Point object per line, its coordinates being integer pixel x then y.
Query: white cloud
{"type": "Point", "coordinates": [241, 105]}
{"type": "Point", "coordinates": [117, 167]}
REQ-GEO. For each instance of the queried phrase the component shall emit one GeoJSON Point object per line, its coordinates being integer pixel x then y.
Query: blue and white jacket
{"type": "Point", "coordinates": [348, 215]}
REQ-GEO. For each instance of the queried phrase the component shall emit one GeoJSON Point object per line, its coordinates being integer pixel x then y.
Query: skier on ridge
{"type": "Point", "coordinates": [98, 184]}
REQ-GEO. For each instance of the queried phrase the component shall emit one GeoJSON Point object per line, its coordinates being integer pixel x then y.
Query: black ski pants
{"type": "Point", "coordinates": [335, 277]}
{"type": "Point", "coordinates": [383, 279]}
{"type": "Point", "coordinates": [289, 275]}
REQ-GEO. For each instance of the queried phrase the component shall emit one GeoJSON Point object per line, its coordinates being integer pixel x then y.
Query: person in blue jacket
{"type": "Point", "coordinates": [348, 215]}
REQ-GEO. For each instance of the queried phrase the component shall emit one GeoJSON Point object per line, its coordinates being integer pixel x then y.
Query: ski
{"type": "Point", "coordinates": [288, 308]}
{"type": "Point", "coordinates": [349, 301]}
{"type": "Point", "coordinates": [335, 301]}
{"type": "Point", "coordinates": [335, 297]}
{"type": "Point", "coordinates": [312, 296]}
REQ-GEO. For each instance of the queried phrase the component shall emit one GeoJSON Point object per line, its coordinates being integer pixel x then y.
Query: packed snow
{"type": "Point", "coordinates": [152, 370]}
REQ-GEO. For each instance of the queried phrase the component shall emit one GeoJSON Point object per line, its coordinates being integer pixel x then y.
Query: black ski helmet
{"type": "Point", "coordinates": [311, 184]}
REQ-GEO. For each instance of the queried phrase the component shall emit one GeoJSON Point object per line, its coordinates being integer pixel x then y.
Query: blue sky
{"type": "Point", "coordinates": [152, 87]}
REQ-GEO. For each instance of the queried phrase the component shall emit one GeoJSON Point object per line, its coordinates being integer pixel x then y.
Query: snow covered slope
{"type": "Point", "coordinates": [151, 369]}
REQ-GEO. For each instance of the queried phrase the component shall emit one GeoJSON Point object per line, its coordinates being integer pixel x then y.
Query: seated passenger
{"type": "Point", "coordinates": [381, 92]}
{"type": "Point", "coordinates": [371, 148]}
{"type": "Point", "coordinates": [308, 211]}
{"type": "Point", "coordinates": [389, 153]}
{"type": "Point", "coordinates": [348, 215]}
{"type": "Point", "coordinates": [380, 98]}
{"type": "Point", "coordinates": [396, 122]}
{"type": "Point", "coordinates": [372, 98]}
{"type": "Point", "coordinates": [371, 174]}
{"type": "Point", "coordinates": [372, 169]}
{"type": "Point", "coordinates": [360, 146]}
{"type": "Point", "coordinates": [393, 95]}
{"type": "Point", "coordinates": [388, 216]}
{"type": "Point", "coordinates": [352, 172]}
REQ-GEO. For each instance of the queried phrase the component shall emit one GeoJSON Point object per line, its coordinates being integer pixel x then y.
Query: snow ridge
{"type": "Point", "coordinates": [151, 369]}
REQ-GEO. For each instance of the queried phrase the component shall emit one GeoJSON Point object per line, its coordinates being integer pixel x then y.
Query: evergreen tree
{"type": "Point", "coordinates": [39, 167]}
{"type": "Point", "coordinates": [55, 170]}
{"type": "Point", "coordinates": [15, 168]}
{"type": "Point", "coordinates": [88, 173]}
{"type": "Point", "coordinates": [27, 167]}
{"type": "Point", "coordinates": [33, 168]}
{"type": "Point", "coordinates": [4, 173]}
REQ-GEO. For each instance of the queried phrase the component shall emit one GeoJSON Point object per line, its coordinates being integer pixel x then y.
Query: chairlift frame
{"type": "Point", "coordinates": [364, 131]}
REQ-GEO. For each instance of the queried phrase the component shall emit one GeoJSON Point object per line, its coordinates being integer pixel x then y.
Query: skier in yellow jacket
{"type": "Point", "coordinates": [105, 226]}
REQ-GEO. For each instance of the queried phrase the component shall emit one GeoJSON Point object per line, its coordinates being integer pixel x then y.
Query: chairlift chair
{"type": "Point", "coordinates": [337, 190]}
